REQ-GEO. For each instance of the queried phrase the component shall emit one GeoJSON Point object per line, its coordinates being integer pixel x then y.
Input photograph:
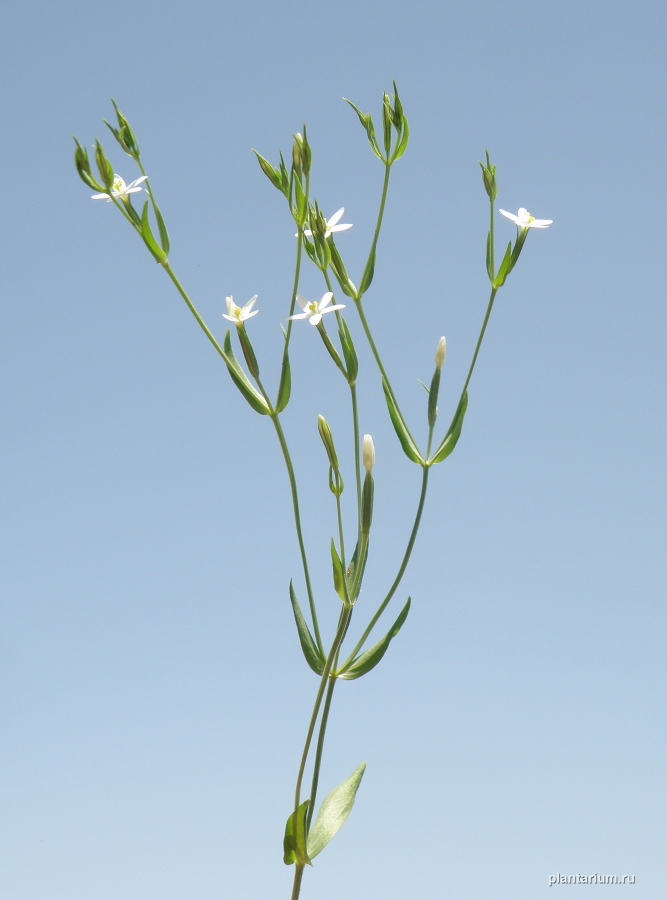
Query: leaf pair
{"type": "Point", "coordinates": [301, 846]}
{"type": "Point", "coordinates": [370, 658]}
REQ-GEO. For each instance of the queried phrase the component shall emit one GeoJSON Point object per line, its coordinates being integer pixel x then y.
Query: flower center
{"type": "Point", "coordinates": [312, 307]}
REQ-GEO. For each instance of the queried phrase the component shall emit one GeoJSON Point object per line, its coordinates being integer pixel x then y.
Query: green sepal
{"type": "Point", "coordinates": [309, 247]}
{"type": "Point", "coordinates": [311, 651]}
{"type": "Point", "coordinates": [248, 351]}
{"type": "Point", "coordinates": [335, 809]}
{"type": "Point", "coordinates": [450, 439]}
{"type": "Point", "coordinates": [271, 173]}
{"type": "Point", "coordinates": [294, 842]}
{"type": "Point", "coordinates": [338, 574]}
{"type": "Point", "coordinates": [285, 386]}
{"type": "Point", "coordinates": [242, 381]}
{"type": "Point", "coordinates": [340, 271]}
{"type": "Point", "coordinates": [367, 122]}
{"type": "Point", "coordinates": [367, 277]}
{"type": "Point", "coordinates": [505, 268]}
{"type": "Point", "coordinates": [368, 660]}
{"type": "Point", "coordinates": [300, 209]}
{"type": "Point", "coordinates": [149, 240]}
{"type": "Point", "coordinates": [407, 443]}
{"type": "Point", "coordinates": [489, 261]}
{"type": "Point", "coordinates": [104, 167]}
{"type": "Point", "coordinates": [387, 118]}
{"type": "Point", "coordinates": [433, 397]}
{"type": "Point", "coordinates": [349, 352]}
{"type": "Point", "coordinates": [336, 484]}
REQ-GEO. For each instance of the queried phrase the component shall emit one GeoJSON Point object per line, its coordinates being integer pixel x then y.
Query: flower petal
{"type": "Point", "coordinates": [249, 305]}
{"type": "Point", "coordinates": [336, 217]}
{"type": "Point", "coordinates": [511, 216]}
{"type": "Point", "coordinates": [339, 228]}
{"type": "Point", "coordinates": [316, 319]}
{"type": "Point", "coordinates": [332, 308]}
{"type": "Point", "coordinates": [325, 301]}
{"type": "Point", "coordinates": [303, 303]}
{"type": "Point", "coordinates": [304, 315]}
{"type": "Point", "coordinates": [250, 315]}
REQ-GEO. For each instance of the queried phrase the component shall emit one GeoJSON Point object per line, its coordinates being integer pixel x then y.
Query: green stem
{"type": "Point", "coordinates": [378, 224]}
{"type": "Point", "coordinates": [297, 522]}
{"type": "Point", "coordinates": [399, 576]}
{"type": "Point", "coordinates": [494, 291]}
{"type": "Point", "coordinates": [298, 875]}
{"type": "Point", "coordinates": [320, 748]}
{"type": "Point", "coordinates": [357, 460]}
{"type": "Point", "coordinates": [204, 327]}
{"type": "Point", "coordinates": [295, 290]}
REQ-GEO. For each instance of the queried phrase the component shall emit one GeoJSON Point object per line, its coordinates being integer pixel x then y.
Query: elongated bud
{"type": "Point", "coordinates": [104, 166]}
{"type": "Point", "coordinates": [368, 453]}
{"type": "Point", "coordinates": [489, 177]}
{"type": "Point", "coordinates": [440, 353]}
{"type": "Point", "coordinates": [82, 164]}
{"type": "Point", "coordinates": [327, 440]}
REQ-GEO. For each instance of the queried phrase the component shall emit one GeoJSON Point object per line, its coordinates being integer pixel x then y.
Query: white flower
{"type": "Point", "coordinates": [238, 314]}
{"type": "Point", "coordinates": [332, 224]}
{"type": "Point", "coordinates": [440, 353]}
{"type": "Point", "coordinates": [314, 311]}
{"type": "Point", "coordinates": [525, 220]}
{"type": "Point", "coordinates": [120, 189]}
{"type": "Point", "coordinates": [368, 453]}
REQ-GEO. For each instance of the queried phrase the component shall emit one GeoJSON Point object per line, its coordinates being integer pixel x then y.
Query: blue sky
{"type": "Point", "coordinates": [154, 696]}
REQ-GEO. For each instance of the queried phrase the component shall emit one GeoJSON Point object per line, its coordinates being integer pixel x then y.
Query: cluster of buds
{"type": "Point", "coordinates": [293, 185]}
{"type": "Point", "coordinates": [392, 117]}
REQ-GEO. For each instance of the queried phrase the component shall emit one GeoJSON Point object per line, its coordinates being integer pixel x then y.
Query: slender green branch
{"type": "Point", "coordinates": [357, 455]}
{"type": "Point", "coordinates": [320, 748]}
{"type": "Point", "coordinates": [297, 522]}
{"type": "Point", "coordinates": [399, 576]}
{"type": "Point", "coordinates": [378, 224]}
{"type": "Point", "coordinates": [202, 324]}
{"type": "Point", "coordinates": [298, 875]}
{"type": "Point", "coordinates": [494, 291]}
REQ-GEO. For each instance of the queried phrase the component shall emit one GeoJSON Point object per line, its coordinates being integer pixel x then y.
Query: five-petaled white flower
{"type": "Point", "coordinates": [120, 189]}
{"type": "Point", "coordinates": [238, 314]}
{"type": "Point", "coordinates": [332, 224]}
{"type": "Point", "coordinates": [314, 310]}
{"type": "Point", "coordinates": [525, 220]}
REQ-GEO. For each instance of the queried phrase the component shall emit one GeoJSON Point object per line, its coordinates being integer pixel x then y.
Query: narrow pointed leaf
{"type": "Point", "coordinates": [368, 660]}
{"type": "Point", "coordinates": [285, 386]}
{"type": "Point", "coordinates": [149, 240]}
{"type": "Point", "coordinates": [338, 575]}
{"type": "Point", "coordinates": [294, 842]}
{"type": "Point", "coordinates": [453, 434]}
{"type": "Point", "coordinates": [335, 809]}
{"type": "Point", "coordinates": [403, 140]}
{"type": "Point", "coordinates": [503, 271]}
{"type": "Point", "coordinates": [349, 352]}
{"type": "Point", "coordinates": [242, 381]}
{"type": "Point", "coordinates": [367, 277]}
{"type": "Point", "coordinates": [164, 237]}
{"type": "Point", "coordinates": [350, 575]}
{"type": "Point", "coordinates": [407, 443]}
{"type": "Point", "coordinates": [310, 649]}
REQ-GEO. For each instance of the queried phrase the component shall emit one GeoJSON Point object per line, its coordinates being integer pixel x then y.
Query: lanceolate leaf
{"type": "Point", "coordinates": [294, 842]}
{"type": "Point", "coordinates": [368, 660]}
{"type": "Point", "coordinates": [453, 434]}
{"type": "Point", "coordinates": [149, 240]}
{"type": "Point", "coordinates": [335, 809]}
{"type": "Point", "coordinates": [409, 447]}
{"type": "Point", "coordinates": [310, 649]}
{"type": "Point", "coordinates": [285, 386]}
{"type": "Point", "coordinates": [242, 381]}
{"type": "Point", "coordinates": [164, 237]}
{"type": "Point", "coordinates": [338, 576]}
{"type": "Point", "coordinates": [350, 575]}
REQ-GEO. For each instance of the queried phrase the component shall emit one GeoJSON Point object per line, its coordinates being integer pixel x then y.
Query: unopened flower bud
{"type": "Point", "coordinates": [368, 453]}
{"type": "Point", "coordinates": [327, 440]}
{"type": "Point", "coordinates": [440, 353]}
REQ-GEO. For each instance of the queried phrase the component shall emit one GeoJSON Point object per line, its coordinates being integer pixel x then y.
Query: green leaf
{"type": "Point", "coordinates": [149, 240]}
{"type": "Point", "coordinates": [367, 122]}
{"type": "Point", "coordinates": [368, 660]}
{"type": "Point", "coordinates": [338, 575]}
{"type": "Point", "coordinates": [504, 269]}
{"type": "Point", "coordinates": [164, 237]}
{"type": "Point", "coordinates": [285, 386]}
{"type": "Point", "coordinates": [450, 439]}
{"type": "Point", "coordinates": [310, 649]}
{"type": "Point", "coordinates": [274, 175]}
{"type": "Point", "coordinates": [407, 443]}
{"type": "Point", "coordinates": [349, 352]}
{"type": "Point", "coordinates": [242, 381]}
{"type": "Point", "coordinates": [335, 809]}
{"type": "Point", "coordinates": [352, 568]}
{"type": "Point", "coordinates": [367, 277]}
{"type": "Point", "coordinates": [402, 141]}
{"type": "Point", "coordinates": [294, 842]}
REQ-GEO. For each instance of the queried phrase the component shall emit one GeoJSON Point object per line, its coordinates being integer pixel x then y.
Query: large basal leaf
{"type": "Point", "coordinates": [335, 809]}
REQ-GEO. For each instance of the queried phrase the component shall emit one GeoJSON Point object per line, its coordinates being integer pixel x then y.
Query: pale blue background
{"type": "Point", "coordinates": [153, 695]}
